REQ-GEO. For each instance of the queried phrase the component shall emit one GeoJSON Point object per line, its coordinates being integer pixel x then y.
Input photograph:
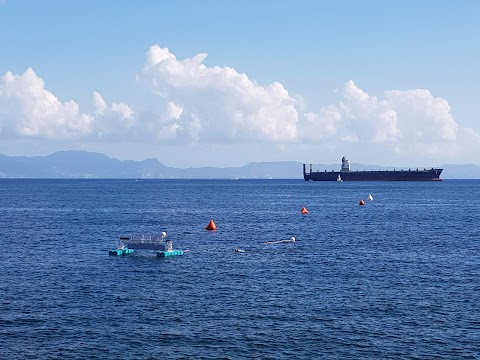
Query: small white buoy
{"type": "Point", "coordinates": [370, 197]}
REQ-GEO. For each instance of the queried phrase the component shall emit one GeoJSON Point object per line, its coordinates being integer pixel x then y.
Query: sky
{"type": "Point", "coordinates": [225, 83]}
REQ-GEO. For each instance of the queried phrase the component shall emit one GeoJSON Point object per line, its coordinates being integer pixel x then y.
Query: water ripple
{"type": "Point", "coordinates": [395, 279]}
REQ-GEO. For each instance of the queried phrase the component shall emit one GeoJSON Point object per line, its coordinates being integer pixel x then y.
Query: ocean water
{"type": "Point", "coordinates": [398, 278]}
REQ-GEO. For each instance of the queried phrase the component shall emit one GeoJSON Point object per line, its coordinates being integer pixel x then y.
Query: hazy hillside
{"type": "Point", "coordinates": [467, 171]}
{"type": "Point", "coordinates": [83, 164]}
{"type": "Point", "coordinates": [77, 164]}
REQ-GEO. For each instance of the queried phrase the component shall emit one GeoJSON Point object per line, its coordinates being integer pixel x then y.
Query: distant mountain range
{"type": "Point", "coordinates": [83, 164]}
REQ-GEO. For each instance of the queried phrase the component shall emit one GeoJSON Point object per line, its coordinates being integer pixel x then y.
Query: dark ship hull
{"type": "Point", "coordinates": [377, 175]}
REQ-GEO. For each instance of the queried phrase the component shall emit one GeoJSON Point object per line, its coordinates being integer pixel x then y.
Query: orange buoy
{"type": "Point", "coordinates": [304, 210]}
{"type": "Point", "coordinates": [361, 202]}
{"type": "Point", "coordinates": [211, 226]}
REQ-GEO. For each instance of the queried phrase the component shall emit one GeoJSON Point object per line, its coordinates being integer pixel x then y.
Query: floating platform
{"type": "Point", "coordinates": [169, 253]}
{"type": "Point", "coordinates": [120, 252]}
{"type": "Point", "coordinates": [145, 242]}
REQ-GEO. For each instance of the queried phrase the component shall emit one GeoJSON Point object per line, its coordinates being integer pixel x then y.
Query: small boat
{"type": "Point", "coordinates": [339, 178]}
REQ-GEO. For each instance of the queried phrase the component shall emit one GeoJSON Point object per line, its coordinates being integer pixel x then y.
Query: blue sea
{"type": "Point", "coordinates": [397, 278]}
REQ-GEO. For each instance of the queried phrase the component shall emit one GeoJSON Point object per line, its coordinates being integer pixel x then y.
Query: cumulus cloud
{"type": "Point", "coordinates": [99, 104]}
{"type": "Point", "coordinates": [30, 110]}
{"type": "Point", "coordinates": [423, 118]}
{"type": "Point", "coordinates": [116, 120]}
{"type": "Point", "coordinates": [220, 104]}
{"type": "Point", "coordinates": [315, 127]}
{"type": "Point", "coordinates": [164, 128]}
{"type": "Point", "coordinates": [370, 118]}
{"type": "Point", "coordinates": [410, 116]}
{"type": "Point", "coordinates": [410, 122]}
{"type": "Point", "coordinates": [173, 111]}
{"type": "Point", "coordinates": [216, 105]}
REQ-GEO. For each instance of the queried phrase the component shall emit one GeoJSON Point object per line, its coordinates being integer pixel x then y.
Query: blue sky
{"type": "Point", "coordinates": [225, 83]}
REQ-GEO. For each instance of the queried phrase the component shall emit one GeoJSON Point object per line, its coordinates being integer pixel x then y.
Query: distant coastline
{"type": "Point", "coordinates": [84, 165]}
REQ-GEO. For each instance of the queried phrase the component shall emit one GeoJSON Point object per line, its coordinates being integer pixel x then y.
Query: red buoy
{"type": "Point", "coordinates": [211, 226]}
{"type": "Point", "coordinates": [304, 210]}
{"type": "Point", "coordinates": [361, 202]}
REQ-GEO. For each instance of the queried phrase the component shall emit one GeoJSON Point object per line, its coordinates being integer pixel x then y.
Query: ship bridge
{"type": "Point", "coordinates": [345, 164]}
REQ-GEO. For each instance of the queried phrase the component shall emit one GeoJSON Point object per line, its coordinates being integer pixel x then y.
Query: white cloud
{"type": "Point", "coordinates": [32, 111]}
{"type": "Point", "coordinates": [369, 118]}
{"type": "Point", "coordinates": [173, 111]}
{"type": "Point", "coordinates": [350, 138]}
{"type": "Point", "coordinates": [314, 127]}
{"type": "Point", "coordinates": [113, 122]}
{"type": "Point", "coordinates": [422, 117]}
{"type": "Point", "coordinates": [29, 110]}
{"type": "Point", "coordinates": [166, 126]}
{"type": "Point", "coordinates": [411, 123]}
{"type": "Point", "coordinates": [219, 104]}
{"type": "Point", "coordinates": [123, 110]}
{"type": "Point", "coordinates": [99, 103]}
{"type": "Point", "coordinates": [403, 116]}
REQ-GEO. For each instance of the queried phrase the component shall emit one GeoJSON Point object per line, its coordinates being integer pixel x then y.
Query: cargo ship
{"type": "Point", "coordinates": [345, 174]}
